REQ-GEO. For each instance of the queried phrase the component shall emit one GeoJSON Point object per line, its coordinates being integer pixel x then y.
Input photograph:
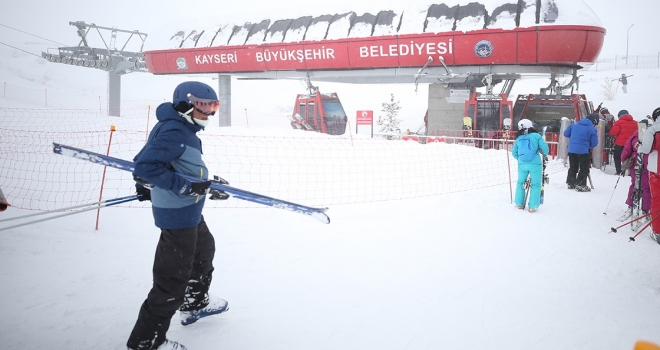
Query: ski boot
{"type": "Point", "coordinates": [582, 188]}
{"type": "Point", "coordinates": [166, 345]}
{"type": "Point", "coordinates": [626, 215]}
{"type": "Point", "coordinates": [215, 306]}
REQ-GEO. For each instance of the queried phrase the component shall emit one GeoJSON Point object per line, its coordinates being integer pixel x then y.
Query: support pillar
{"type": "Point", "coordinates": [442, 114]}
{"type": "Point", "coordinates": [562, 149]}
{"type": "Point", "coordinates": [114, 94]}
{"type": "Point", "coordinates": [224, 96]}
{"type": "Point", "coordinates": [597, 152]}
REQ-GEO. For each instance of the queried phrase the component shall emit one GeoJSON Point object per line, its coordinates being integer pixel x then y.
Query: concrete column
{"type": "Point", "coordinates": [114, 94]}
{"type": "Point", "coordinates": [224, 96]}
{"type": "Point", "coordinates": [562, 149]}
{"type": "Point", "coordinates": [443, 115]}
{"type": "Point", "coordinates": [597, 153]}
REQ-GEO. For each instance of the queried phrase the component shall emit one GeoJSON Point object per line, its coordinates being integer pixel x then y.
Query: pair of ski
{"type": "Point", "coordinates": [121, 164]}
{"type": "Point", "coordinates": [639, 168]}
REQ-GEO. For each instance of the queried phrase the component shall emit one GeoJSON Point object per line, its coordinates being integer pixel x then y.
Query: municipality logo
{"type": "Point", "coordinates": [181, 63]}
{"type": "Point", "coordinates": [483, 49]}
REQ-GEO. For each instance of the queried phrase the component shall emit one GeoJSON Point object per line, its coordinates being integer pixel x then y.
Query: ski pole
{"type": "Point", "coordinates": [590, 181]}
{"type": "Point", "coordinates": [613, 229]}
{"type": "Point", "coordinates": [632, 239]}
{"type": "Point", "coordinates": [68, 208]}
{"type": "Point", "coordinates": [608, 203]}
{"type": "Point", "coordinates": [103, 205]}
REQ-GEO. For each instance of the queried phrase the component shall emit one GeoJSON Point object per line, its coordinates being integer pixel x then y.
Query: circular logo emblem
{"type": "Point", "coordinates": [483, 49]}
{"type": "Point", "coordinates": [181, 63]}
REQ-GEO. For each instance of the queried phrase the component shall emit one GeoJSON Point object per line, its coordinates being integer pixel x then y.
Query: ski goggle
{"type": "Point", "coordinates": [206, 106]}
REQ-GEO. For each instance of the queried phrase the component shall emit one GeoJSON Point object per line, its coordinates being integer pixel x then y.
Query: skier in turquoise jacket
{"type": "Point", "coordinates": [526, 151]}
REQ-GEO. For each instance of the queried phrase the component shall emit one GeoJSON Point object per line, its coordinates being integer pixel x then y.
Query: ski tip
{"type": "Point", "coordinates": [321, 216]}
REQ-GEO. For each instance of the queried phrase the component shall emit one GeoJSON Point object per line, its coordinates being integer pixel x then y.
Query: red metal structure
{"type": "Point", "coordinates": [487, 113]}
{"type": "Point", "coordinates": [548, 110]}
{"type": "Point", "coordinates": [559, 45]}
{"type": "Point", "coordinates": [319, 112]}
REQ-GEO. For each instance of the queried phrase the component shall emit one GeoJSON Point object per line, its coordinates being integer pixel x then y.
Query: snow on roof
{"type": "Point", "coordinates": [451, 15]}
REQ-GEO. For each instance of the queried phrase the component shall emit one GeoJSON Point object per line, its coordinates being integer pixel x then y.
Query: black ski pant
{"type": "Point", "coordinates": [182, 272]}
{"type": "Point", "coordinates": [617, 158]}
{"type": "Point", "coordinates": [578, 169]}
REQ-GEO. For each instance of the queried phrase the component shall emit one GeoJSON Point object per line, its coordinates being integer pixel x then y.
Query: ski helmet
{"type": "Point", "coordinates": [655, 114]}
{"type": "Point", "coordinates": [525, 124]}
{"type": "Point", "coordinates": [195, 88]}
{"type": "Point", "coordinates": [594, 118]}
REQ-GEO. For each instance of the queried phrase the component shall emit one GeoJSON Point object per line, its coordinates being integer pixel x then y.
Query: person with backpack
{"type": "Point", "coordinates": [622, 130]}
{"type": "Point", "coordinates": [526, 151]}
{"type": "Point", "coordinates": [583, 138]}
{"type": "Point", "coordinates": [651, 146]}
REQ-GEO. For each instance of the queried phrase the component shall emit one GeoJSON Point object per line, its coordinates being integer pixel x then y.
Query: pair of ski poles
{"type": "Point", "coordinates": [85, 207]}
{"type": "Point", "coordinates": [632, 239]}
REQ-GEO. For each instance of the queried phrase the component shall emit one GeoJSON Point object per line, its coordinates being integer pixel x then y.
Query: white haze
{"type": "Point", "coordinates": [459, 271]}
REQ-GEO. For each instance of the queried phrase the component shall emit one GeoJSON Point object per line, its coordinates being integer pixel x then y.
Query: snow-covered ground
{"type": "Point", "coordinates": [457, 271]}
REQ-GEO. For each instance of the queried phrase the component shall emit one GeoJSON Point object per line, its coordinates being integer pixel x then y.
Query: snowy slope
{"type": "Point", "coordinates": [459, 271]}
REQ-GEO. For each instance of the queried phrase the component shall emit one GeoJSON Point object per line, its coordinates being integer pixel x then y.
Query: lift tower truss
{"type": "Point", "coordinates": [110, 59]}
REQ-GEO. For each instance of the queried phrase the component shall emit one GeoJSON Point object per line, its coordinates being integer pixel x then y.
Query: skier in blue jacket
{"type": "Point", "coordinates": [526, 151]}
{"type": "Point", "coordinates": [183, 264]}
{"type": "Point", "coordinates": [583, 138]}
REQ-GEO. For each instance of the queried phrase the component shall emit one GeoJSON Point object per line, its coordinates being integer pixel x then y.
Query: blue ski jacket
{"type": "Point", "coordinates": [537, 142]}
{"type": "Point", "coordinates": [172, 146]}
{"type": "Point", "coordinates": [583, 136]}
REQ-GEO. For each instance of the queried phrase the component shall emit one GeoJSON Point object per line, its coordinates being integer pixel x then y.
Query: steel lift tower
{"type": "Point", "coordinates": [115, 62]}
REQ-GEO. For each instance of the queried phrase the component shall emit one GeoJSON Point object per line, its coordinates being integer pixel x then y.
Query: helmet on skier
{"type": "Point", "coordinates": [525, 124]}
{"type": "Point", "coordinates": [594, 118]}
{"type": "Point", "coordinates": [655, 114]}
{"type": "Point", "coordinates": [195, 94]}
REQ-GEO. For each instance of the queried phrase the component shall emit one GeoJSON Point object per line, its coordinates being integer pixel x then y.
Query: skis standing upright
{"type": "Point", "coordinates": [544, 179]}
{"type": "Point", "coordinates": [639, 167]}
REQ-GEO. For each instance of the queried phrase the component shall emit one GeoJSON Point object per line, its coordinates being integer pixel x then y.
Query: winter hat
{"type": "Point", "coordinates": [622, 112]}
{"type": "Point", "coordinates": [655, 114]}
{"type": "Point", "coordinates": [594, 118]}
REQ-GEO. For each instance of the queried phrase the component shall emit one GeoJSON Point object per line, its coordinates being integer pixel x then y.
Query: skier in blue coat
{"type": "Point", "coordinates": [526, 151]}
{"type": "Point", "coordinates": [183, 264]}
{"type": "Point", "coordinates": [583, 138]}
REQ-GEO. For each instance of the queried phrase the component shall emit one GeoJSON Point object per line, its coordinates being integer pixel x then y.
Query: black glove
{"type": "Point", "coordinates": [144, 194]}
{"type": "Point", "coordinates": [199, 188]}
